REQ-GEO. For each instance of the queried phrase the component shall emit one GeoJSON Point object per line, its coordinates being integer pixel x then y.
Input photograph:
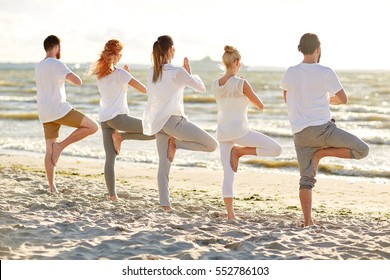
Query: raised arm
{"type": "Point", "coordinates": [73, 79]}
{"type": "Point", "coordinates": [135, 83]}
{"type": "Point", "coordinates": [192, 81]}
{"type": "Point", "coordinates": [248, 91]}
{"type": "Point", "coordinates": [339, 98]}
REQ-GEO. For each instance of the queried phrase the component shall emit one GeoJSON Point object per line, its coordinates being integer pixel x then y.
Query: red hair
{"type": "Point", "coordinates": [103, 66]}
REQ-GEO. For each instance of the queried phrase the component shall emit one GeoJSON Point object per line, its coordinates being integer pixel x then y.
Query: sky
{"type": "Point", "coordinates": [353, 34]}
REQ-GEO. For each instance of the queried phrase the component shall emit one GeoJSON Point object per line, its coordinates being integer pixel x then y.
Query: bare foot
{"type": "Point", "coordinates": [53, 189]}
{"type": "Point", "coordinates": [309, 224]}
{"type": "Point", "coordinates": [302, 224]}
{"type": "Point", "coordinates": [117, 141]}
{"type": "Point", "coordinates": [167, 208]}
{"type": "Point", "coordinates": [231, 217]}
{"type": "Point", "coordinates": [55, 153]}
{"type": "Point", "coordinates": [171, 148]}
{"type": "Point", "coordinates": [113, 198]}
{"type": "Point", "coordinates": [234, 157]}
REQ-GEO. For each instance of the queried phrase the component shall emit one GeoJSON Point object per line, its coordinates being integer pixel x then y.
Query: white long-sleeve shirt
{"type": "Point", "coordinates": [165, 97]}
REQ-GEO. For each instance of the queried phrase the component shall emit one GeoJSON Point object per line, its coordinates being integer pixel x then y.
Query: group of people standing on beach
{"type": "Point", "coordinates": [308, 90]}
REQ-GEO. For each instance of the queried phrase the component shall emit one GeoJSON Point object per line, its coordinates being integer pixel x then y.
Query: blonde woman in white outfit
{"type": "Point", "coordinates": [164, 114]}
{"type": "Point", "coordinates": [233, 96]}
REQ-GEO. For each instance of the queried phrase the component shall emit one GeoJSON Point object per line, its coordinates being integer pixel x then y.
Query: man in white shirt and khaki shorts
{"type": "Point", "coordinates": [53, 110]}
{"type": "Point", "coordinates": [308, 90]}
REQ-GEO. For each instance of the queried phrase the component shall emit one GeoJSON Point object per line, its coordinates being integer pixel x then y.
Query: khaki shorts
{"type": "Point", "coordinates": [72, 119]}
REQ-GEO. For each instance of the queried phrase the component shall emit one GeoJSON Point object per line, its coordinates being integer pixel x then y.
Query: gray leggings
{"type": "Point", "coordinates": [189, 137]}
{"type": "Point", "coordinates": [313, 138]}
{"type": "Point", "coordinates": [131, 128]}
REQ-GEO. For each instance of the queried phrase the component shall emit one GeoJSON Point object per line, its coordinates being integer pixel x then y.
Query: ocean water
{"type": "Point", "coordinates": [367, 115]}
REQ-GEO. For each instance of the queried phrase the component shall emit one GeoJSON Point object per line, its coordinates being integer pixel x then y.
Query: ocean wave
{"type": "Point", "coordinates": [199, 99]}
{"type": "Point", "coordinates": [360, 108]}
{"type": "Point", "coordinates": [30, 90]}
{"type": "Point", "coordinates": [272, 164]}
{"type": "Point", "coordinates": [9, 84]}
{"type": "Point", "coordinates": [18, 98]}
{"type": "Point", "coordinates": [94, 101]}
{"type": "Point", "coordinates": [19, 116]}
{"type": "Point", "coordinates": [281, 133]}
{"type": "Point", "coordinates": [377, 140]}
{"type": "Point", "coordinates": [369, 117]}
{"type": "Point", "coordinates": [355, 172]}
{"type": "Point", "coordinates": [333, 169]}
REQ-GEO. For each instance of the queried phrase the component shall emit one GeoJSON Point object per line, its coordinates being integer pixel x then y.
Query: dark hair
{"type": "Point", "coordinates": [309, 43]}
{"type": "Point", "coordinates": [50, 42]}
{"type": "Point", "coordinates": [160, 55]}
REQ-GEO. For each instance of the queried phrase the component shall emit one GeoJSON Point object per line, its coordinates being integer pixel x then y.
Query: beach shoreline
{"type": "Point", "coordinates": [352, 215]}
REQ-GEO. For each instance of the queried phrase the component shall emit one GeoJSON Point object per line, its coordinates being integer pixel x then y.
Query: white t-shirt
{"type": "Point", "coordinates": [165, 97]}
{"type": "Point", "coordinates": [232, 109]}
{"type": "Point", "coordinates": [113, 94]}
{"type": "Point", "coordinates": [50, 76]}
{"type": "Point", "coordinates": [308, 89]}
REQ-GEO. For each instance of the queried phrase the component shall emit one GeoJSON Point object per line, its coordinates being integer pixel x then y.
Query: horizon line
{"type": "Point", "coordinates": [246, 66]}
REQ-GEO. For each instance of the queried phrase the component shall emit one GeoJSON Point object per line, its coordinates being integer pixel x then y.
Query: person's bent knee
{"type": "Point", "coordinates": [213, 145]}
{"type": "Point", "coordinates": [362, 152]}
{"type": "Point", "coordinates": [277, 151]}
{"type": "Point", "coordinates": [365, 152]}
{"type": "Point", "coordinates": [92, 125]}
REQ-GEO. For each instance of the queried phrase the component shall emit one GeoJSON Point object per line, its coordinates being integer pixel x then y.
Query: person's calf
{"type": "Point", "coordinates": [305, 197]}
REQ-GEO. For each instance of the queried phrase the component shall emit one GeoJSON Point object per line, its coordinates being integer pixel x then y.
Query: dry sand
{"type": "Point", "coordinates": [352, 215]}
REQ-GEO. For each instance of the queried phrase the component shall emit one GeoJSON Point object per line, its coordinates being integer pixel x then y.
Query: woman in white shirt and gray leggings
{"type": "Point", "coordinates": [164, 114]}
{"type": "Point", "coordinates": [233, 96]}
{"type": "Point", "coordinates": [113, 113]}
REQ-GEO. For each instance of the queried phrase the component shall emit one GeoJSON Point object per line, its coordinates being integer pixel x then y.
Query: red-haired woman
{"type": "Point", "coordinates": [113, 114]}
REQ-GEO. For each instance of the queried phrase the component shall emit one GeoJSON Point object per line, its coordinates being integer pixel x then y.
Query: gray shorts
{"type": "Point", "coordinates": [313, 138]}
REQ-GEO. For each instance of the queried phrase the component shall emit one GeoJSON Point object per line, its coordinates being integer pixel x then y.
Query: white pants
{"type": "Point", "coordinates": [265, 146]}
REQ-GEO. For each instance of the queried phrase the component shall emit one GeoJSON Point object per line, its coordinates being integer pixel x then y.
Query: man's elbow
{"type": "Point", "coordinates": [73, 79]}
{"type": "Point", "coordinates": [342, 97]}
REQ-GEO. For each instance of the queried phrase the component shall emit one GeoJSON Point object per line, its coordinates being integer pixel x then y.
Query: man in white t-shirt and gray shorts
{"type": "Point", "coordinates": [308, 90]}
{"type": "Point", "coordinates": [53, 110]}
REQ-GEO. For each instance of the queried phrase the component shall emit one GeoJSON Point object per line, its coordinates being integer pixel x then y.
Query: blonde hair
{"type": "Point", "coordinates": [102, 67]}
{"type": "Point", "coordinates": [230, 56]}
{"type": "Point", "coordinates": [160, 55]}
